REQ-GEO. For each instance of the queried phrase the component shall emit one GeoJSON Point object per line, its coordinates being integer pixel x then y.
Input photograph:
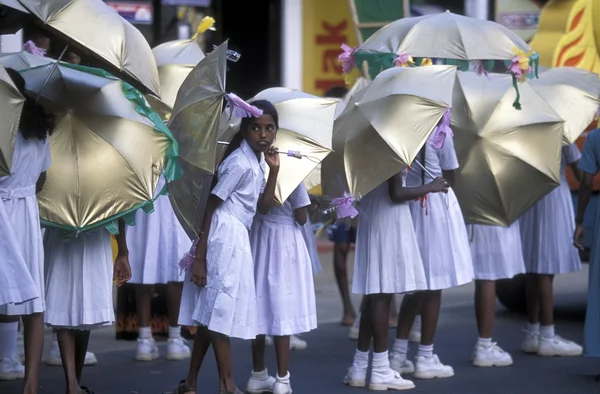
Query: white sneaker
{"type": "Point", "coordinates": [55, 360]}
{"type": "Point", "coordinates": [389, 381]}
{"type": "Point", "coordinates": [400, 364]}
{"type": "Point", "coordinates": [282, 385]}
{"type": "Point", "coordinates": [558, 346]}
{"type": "Point", "coordinates": [11, 369]}
{"type": "Point", "coordinates": [146, 350]}
{"type": "Point", "coordinates": [491, 356]}
{"type": "Point", "coordinates": [356, 377]}
{"type": "Point", "coordinates": [297, 343]}
{"type": "Point", "coordinates": [260, 382]}
{"type": "Point", "coordinates": [178, 349]}
{"type": "Point", "coordinates": [431, 368]}
{"type": "Point", "coordinates": [531, 343]}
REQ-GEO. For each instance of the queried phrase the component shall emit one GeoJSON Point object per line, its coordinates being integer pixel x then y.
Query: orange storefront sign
{"type": "Point", "coordinates": [327, 24]}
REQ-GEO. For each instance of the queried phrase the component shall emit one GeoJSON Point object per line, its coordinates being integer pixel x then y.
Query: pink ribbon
{"type": "Point", "coordinates": [185, 264]}
{"type": "Point", "coordinates": [30, 47]}
{"type": "Point", "coordinates": [345, 206]}
{"type": "Point", "coordinates": [479, 68]}
{"type": "Point", "coordinates": [402, 59]}
{"type": "Point", "coordinates": [347, 58]}
{"type": "Point", "coordinates": [516, 69]}
{"type": "Point", "coordinates": [442, 130]}
{"type": "Point", "coordinates": [242, 109]}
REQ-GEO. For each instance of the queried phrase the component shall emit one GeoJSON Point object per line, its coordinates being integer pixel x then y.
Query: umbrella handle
{"type": "Point", "coordinates": [424, 169]}
{"type": "Point", "coordinates": [54, 67]}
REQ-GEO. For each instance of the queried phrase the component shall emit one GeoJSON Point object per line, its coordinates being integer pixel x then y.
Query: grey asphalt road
{"type": "Point", "coordinates": [321, 367]}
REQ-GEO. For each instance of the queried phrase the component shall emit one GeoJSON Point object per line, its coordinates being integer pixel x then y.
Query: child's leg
{"type": "Point", "coordinates": [393, 321]}
{"type": "Point", "coordinates": [485, 303]}
{"type": "Point", "coordinates": [68, 353]}
{"type": "Point", "coordinates": [146, 349]}
{"type": "Point", "coordinates": [82, 339]}
{"type": "Point", "coordinates": [176, 348]}
{"type": "Point", "coordinates": [222, 349]}
{"type": "Point", "coordinates": [409, 308]}
{"type": "Point", "coordinates": [340, 266]}
{"type": "Point", "coordinates": [545, 299]}
{"type": "Point", "coordinates": [260, 381]}
{"type": "Point", "coordinates": [33, 328]}
{"type": "Point", "coordinates": [258, 354]}
{"type": "Point", "coordinates": [202, 341]}
{"type": "Point", "coordinates": [532, 299]}
{"type": "Point", "coordinates": [379, 305]}
{"type": "Point", "coordinates": [282, 352]}
{"type": "Point", "coordinates": [10, 365]}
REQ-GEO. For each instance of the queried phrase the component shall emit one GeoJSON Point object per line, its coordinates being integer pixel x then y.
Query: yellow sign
{"type": "Point", "coordinates": [327, 24]}
{"type": "Point", "coordinates": [521, 16]}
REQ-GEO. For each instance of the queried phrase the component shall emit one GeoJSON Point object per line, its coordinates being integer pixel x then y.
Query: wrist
{"type": "Point", "coordinates": [578, 221]}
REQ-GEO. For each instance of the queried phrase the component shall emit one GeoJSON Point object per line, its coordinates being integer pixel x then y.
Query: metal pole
{"type": "Point", "coordinates": [406, 8]}
{"type": "Point", "coordinates": [156, 22]}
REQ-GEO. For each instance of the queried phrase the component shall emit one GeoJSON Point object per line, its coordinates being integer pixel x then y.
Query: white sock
{"type": "Point", "coordinates": [400, 347]}
{"type": "Point", "coordinates": [484, 342]}
{"type": "Point", "coordinates": [533, 328]}
{"type": "Point", "coordinates": [145, 332]}
{"type": "Point", "coordinates": [174, 332]}
{"type": "Point", "coordinates": [417, 324]}
{"type": "Point", "coordinates": [381, 362]}
{"type": "Point", "coordinates": [8, 340]}
{"type": "Point", "coordinates": [361, 359]}
{"type": "Point", "coordinates": [425, 351]}
{"type": "Point", "coordinates": [547, 331]}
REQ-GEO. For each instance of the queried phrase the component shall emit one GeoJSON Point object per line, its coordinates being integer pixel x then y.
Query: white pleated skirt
{"type": "Point", "coordinates": [156, 244]}
{"type": "Point", "coordinates": [311, 245]}
{"type": "Point", "coordinates": [496, 251]}
{"type": "Point", "coordinates": [547, 234]}
{"type": "Point", "coordinates": [387, 259]}
{"type": "Point", "coordinates": [227, 304]}
{"type": "Point", "coordinates": [283, 273]}
{"type": "Point", "coordinates": [443, 241]}
{"type": "Point", "coordinates": [24, 216]}
{"type": "Point", "coordinates": [79, 280]}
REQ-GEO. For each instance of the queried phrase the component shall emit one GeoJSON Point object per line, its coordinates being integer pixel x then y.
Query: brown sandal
{"type": "Point", "coordinates": [182, 389]}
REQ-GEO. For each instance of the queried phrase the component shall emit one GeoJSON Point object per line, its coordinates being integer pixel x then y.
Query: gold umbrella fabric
{"type": "Point", "coordinates": [384, 127]}
{"type": "Point", "coordinates": [108, 148]}
{"type": "Point", "coordinates": [195, 125]}
{"type": "Point", "coordinates": [305, 126]}
{"type": "Point", "coordinates": [574, 94]}
{"type": "Point", "coordinates": [23, 60]}
{"type": "Point", "coordinates": [508, 159]}
{"type": "Point", "coordinates": [11, 105]}
{"type": "Point", "coordinates": [100, 33]}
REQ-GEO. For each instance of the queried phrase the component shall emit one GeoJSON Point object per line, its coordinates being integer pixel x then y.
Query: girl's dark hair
{"type": "Point", "coordinates": [35, 122]}
{"type": "Point", "coordinates": [337, 92]}
{"type": "Point", "coordinates": [268, 109]}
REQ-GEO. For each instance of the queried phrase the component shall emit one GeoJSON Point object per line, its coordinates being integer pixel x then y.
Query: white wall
{"type": "Point", "coordinates": [478, 9]}
{"type": "Point", "coordinates": [11, 42]}
{"type": "Point", "coordinates": [291, 53]}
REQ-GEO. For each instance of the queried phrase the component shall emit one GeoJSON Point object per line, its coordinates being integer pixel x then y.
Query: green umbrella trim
{"type": "Point", "coordinates": [171, 171]}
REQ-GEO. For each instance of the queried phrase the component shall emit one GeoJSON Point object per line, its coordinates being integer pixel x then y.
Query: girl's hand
{"type": "Point", "coordinates": [578, 237]}
{"type": "Point", "coordinates": [439, 185]}
{"type": "Point", "coordinates": [272, 158]}
{"type": "Point", "coordinates": [199, 271]}
{"type": "Point", "coordinates": [122, 270]}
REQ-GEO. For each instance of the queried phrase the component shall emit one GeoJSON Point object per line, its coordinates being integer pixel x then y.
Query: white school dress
{"type": "Point", "coordinates": [79, 280]}
{"type": "Point", "coordinates": [156, 244]}
{"type": "Point", "coordinates": [496, 251]}
{"type": "Point", "coordinates": [547, 227]}
{"type": "Point", "coordinates": [227, 304]}
{"type": "Point", "coordinates": [311, 244]}
{"type": "Point", "coordinates": [16, 283]}
{"type": "Point", "coordinates": [31, 157]}
{"type": "Point", "coordinates": [283, 274]}
{"type": "Point", "coordinates": [439, 223]}
{"type": "Point", "coordinates": [386, 259]}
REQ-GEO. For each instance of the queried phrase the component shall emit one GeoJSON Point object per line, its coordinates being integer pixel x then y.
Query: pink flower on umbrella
{"type": "Point", "coordinates": [404, 60]}
{"type": "Point", "coordinates": [347, 58]}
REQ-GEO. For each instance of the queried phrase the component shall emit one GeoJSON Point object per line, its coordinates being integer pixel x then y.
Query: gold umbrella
{"type": "Point", "coordinates": [574, 94]}
{"type": "Point", "coordinates": [508, 159]}
{"type": "Point", "coordinates": [108, 148]}
{"type": "Point", "coordinates": [23, 60]}
{"type": "Point", "coordinates": [176, 59]}
{"type": "Point", "coordinates": [11, 105]}
{"type": "Point", "coordinates": [306, 127]}
{"type": "Point", "coordinates": [98, 32]}
{"type": "Point", "coordinates": [195, 125]}
{"type": "Point", "coordinates": [384, 126]}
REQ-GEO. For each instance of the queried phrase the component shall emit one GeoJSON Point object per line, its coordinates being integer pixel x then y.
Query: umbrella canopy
{"type": "Point", "coordinates": [11, 105]}
{"type": "Point", "coordinates": [574, 94]}
{"type": "Point", "coordinates": [108, 148]}
{"type": "Point", "coordinates": [23, 60]}
{"type": "Point", "coordinates": [195, 125]}
{"type": "Point", "coordinates": [305, 126]}
{"type": "Point", "coordinates": [100, 33]}
{"type": "Point", "coordinates": [508, 159]}
{"type": "Point", "coordinates": [384, 126]}
{"type": "Point", "coordinates": [12, 16]}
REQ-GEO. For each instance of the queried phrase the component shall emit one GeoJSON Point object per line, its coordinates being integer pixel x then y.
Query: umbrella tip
{"type": "Point", "coordinates": [356, 104]}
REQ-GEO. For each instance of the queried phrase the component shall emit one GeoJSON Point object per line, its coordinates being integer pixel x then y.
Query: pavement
{"type": "Point", "coordinates": [321, 367]}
